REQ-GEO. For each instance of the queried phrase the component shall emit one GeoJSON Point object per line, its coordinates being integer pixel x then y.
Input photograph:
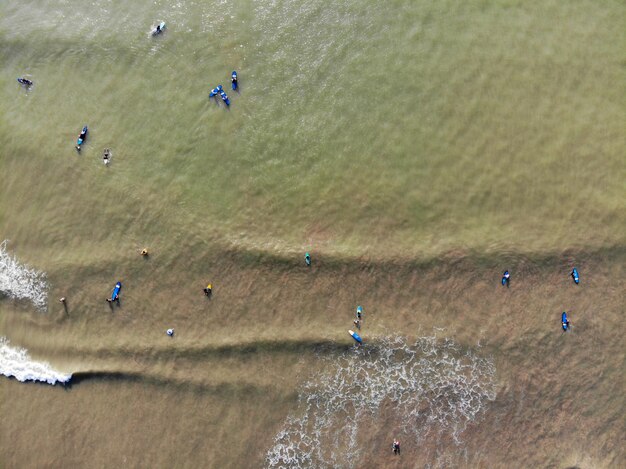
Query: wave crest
{"type": "Point", "coordinates": [433, 386]}
{"type": "Point", "coordinates": [16, 363]}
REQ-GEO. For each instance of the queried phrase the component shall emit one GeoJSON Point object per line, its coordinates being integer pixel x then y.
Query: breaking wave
{"type": "Point", "coordinates": [21, 282]}
{"type": "Point", "coordinates": [434, 386]}
{"type": "Point", "coordinates": [16, 363]}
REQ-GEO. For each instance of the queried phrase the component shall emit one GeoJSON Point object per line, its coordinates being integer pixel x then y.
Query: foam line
{"type": "Point", "coordinates": [435, 388]}
{"type": "Point", "coordinates": [21, 282]}
{"type": "Point", "coordinates": [16, 363]}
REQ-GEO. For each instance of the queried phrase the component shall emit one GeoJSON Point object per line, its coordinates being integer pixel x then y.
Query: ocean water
{"type": "Point", "coordinates": [416, 149]}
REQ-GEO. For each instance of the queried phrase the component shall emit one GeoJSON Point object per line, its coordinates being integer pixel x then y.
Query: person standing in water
{"type": "Point", "coordinates": [208, 291]}
{"type": "Point", "coordinates": [395, 447]}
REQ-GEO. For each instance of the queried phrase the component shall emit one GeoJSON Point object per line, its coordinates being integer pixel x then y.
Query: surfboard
{"type": "Point", "coordinates": [116, 291]}
{"type": "Point", "coordinates": [356, 336]}
{"type": "Point", "coordinates": [234, 80]}
{"type": "Point", "coordinates": [156, 31]}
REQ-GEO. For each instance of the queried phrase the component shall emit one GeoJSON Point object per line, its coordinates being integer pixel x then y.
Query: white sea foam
{"type": "Point", "coordinates": [434, 387]}
{"type": "Point", "coordinates": [16, 363]}
{"type": "Point", "coordinates": [21, 282]}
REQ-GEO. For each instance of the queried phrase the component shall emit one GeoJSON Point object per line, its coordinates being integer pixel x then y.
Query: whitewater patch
{"type": "Point", "coordinates": [16, 363]}
{"type": "Point", "coordinates": [20, 281]}
{"type": "Point", "coordinates": [434, 388]}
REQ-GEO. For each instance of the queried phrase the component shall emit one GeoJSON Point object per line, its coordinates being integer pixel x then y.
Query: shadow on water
{"type": "Point", "coordinates": [219, 389]}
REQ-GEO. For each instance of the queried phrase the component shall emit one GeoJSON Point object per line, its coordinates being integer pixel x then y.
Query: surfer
{"type": "Point", "coordinates": [144, 252]}
{"type": "Point", "coordinates": [106, 158]}
{"type": "Point", "coordinates": [170, 332]}
{"type": "Point", "coordinates": [25, 81]}
{"type": "Point", "coordinates": [307, 259]}
{"type": "Point", "coordinates": [574, 275]}
{"type": "Point", "coordinates": [233, 80]}
{"type": "Point", "coordinates": [359, 313]}
{"type": "Point", "coordinates": [357, 323]}
{"type": "Point", "coordinates": [396, 447]}
{"type": "Point", "coordinates": [208, 291]}
{"type": "Point", "coordinates": [81, 138]}
{"type": "Point", "coordinates": [564, 321]}
{"type": "Point", "coordinates": [506, 278]}
{"type": "Point", "coordinates": [62, 300]}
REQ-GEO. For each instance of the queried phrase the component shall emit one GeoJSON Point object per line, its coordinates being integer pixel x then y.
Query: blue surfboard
{"type": "Point", "coordinates": [564, 321]}
{"type": "Point", "coordinates": [116, 291]}
{"type": "Point", "coordinates": [233, 79]}
{"type": "Point", "coordinates": [505, 277]}
{"type": "Point", "coordinates": [224, 97]}
{"type": "Point", "coordinates": [215, 91]}
{"type": "Point", "coordinates": [356, 337]}
{"type": "Point", "coordinates": [575, 275]}
{"type": "Point", "coordinates": [82, 136]}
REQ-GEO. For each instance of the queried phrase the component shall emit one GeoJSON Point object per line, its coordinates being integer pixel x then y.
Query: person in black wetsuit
{"type": "Point", "coordinates": [396, 447]}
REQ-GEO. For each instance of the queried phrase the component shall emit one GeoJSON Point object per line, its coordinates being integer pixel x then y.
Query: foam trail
{"type": "Point", "coordinates": [435, 388]}
{"type": "Point", "coordinates": [16, 363]}
{"type": "Point", "coordinates": [21, 282]}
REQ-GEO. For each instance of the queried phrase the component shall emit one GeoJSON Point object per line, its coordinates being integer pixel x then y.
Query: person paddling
{"type": "Point", "coordinates": [564, 321]}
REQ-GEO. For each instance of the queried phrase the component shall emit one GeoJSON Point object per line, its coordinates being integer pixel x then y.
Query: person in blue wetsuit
{"type": "Point", "coordinates": [506, 278]}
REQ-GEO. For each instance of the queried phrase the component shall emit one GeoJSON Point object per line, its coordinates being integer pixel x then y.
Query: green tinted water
{"type": "Point", "coordinates": [359, 127]}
